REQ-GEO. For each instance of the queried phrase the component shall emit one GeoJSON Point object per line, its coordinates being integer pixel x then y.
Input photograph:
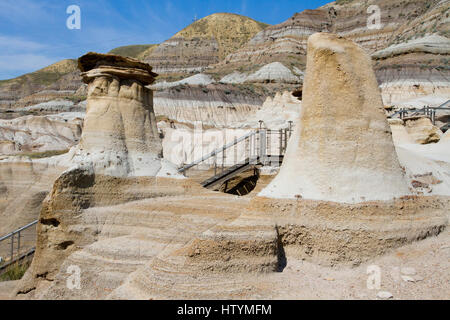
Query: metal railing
{"type": "Point", "coordinates": [17, 244]}
{"type": "Point", "coordinates": [258, 145]}
{"type": "Point", "coordinates": [429, 112]}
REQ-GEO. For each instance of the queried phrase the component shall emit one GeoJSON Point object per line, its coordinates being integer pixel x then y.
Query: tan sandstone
{"type": "Point", "coordinates": [342, 149]}
{"type": "Point", "coordinates": [422, 130]}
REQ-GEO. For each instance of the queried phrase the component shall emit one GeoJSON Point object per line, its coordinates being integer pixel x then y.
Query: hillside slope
{"type": "Point", "coordinates": [410, 50]}
{"type": "Point", "coordinates": [138, 51]}
{"type": "Point", "coordinates": [57, 80]}
{"type": "Point", "coordinates": [405, 70]}
{"type": "Point", "coordinates": [203, 43]}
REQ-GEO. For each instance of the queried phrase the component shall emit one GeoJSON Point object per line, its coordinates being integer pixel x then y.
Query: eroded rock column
{"type": "Point", "coordinates": [342, 149]}
{"type": "Point", "coordinates": [120, 137]}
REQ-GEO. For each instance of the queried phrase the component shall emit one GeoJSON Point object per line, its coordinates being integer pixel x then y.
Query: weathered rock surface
{"type": "Point", "coordinates": [426, 165]}
{"type": "Point", "coordinates": [422, 130]}
{"type": "Point", "coordinates": [56, 81]}
{"type": "Point", "coordinates": [216, 105]}
{"type": "Point", "coordinates": [24, 183]}
{"type": "Point", "coordinates": [31, 134]}
{"type": "Point", "coordinates": [413, 63]}
{"type": "Point", "coordinates": [399, 134]}
{"type": "Point", "coordinates": [342, 132]}
{"type": "Point", "coordinates": [273, 72]}
{"type": "Point", "coordinates": [65, 226]}
{"type": "Point", "coordinates": [198, 79]}
{"type": "Point", "coordinates": [410, 56]}
{"type": "Point", "coordinates": [141, 240]}
{"type": "Point", "coordinates": [409, 50]}
{"type": "Point", "coordinates": [120, 137]}
{"type": "Point", "coordinates": [203, 43]}
{"type": "Point", "coordinates": [275, 112]}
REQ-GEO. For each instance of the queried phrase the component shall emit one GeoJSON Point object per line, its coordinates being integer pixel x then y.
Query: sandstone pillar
{"type": "Point", "coordinates": [342, 149]}
{"type": "Point", "coordinates": [120, 136]}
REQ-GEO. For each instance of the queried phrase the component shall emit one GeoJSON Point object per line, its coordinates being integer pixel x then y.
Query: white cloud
{"type": "Point", "coordinates": [17, 63]}
{"type": "Point", "coordinates": [24, 11]}
{"type": "Point", "coordinates": [14, 44]}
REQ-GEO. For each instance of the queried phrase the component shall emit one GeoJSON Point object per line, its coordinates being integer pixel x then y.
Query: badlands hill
{"type": "Point", "coordinates": [205, 42]}
{"type": "Point", "coordinates": [213, 37]}
{"type": "Point", "coordinates": [402, 22]}
{"type": "Point", "coordinates": [409, 52]}
{"type": "Point", "coordinates": [55, 81]}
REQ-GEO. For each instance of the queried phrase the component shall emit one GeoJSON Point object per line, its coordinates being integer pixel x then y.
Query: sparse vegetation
{"type": "Point", "coordinates": [341, 2]}
{"type": "Point", "coordinates": [45, 154]}
{"type": "Point", "coordinates": [133, 51]}
{"type": "Point", "coordinates": [231, 31]}
{"type": "Point", "coordinates": [46, 76]}
{"type": "Point", "coordinates": [75, 99]}
{"type": "Point", "coordinates": [15, 272]}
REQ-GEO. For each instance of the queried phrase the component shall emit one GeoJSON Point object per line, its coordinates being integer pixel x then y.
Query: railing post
{"type": "Point", "coordinates": [18, 244]}
{"type": "Point", "coordinates": [262, 145]}
{"type": "Point", "coordinates": [235, 156]}
{"type": "Point", "coordinates": [281, 142]}
{"type": "Point", "coordinates": [223, 159]}
{"type": "Point", "coordinates": [12, 247]}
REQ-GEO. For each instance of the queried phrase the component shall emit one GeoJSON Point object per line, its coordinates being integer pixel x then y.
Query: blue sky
{"type": "Point", "coordinates": [33, 33]}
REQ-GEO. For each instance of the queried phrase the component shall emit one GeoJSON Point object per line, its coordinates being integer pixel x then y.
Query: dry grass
{"type": "Point", "coordinates": [15, 272]}
{"type": "Point", "coordinates": [231, 31]}
{"type": "Point", "coordinates": [45, 154]}
{"type": "Point", "coordinates": [47, 75]}
{"type": "Point", "coordinates": [134, 51]}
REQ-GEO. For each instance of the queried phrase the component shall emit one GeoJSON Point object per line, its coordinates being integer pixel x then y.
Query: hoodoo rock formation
{"type": "Point", "coordinates": [342, 150]}
{"type": "Point", "coordinates": [120, 137]}
{"type": "Point", "coordinates": [119, 159]}
{"type": "Point", "coordinates": [153, 237]}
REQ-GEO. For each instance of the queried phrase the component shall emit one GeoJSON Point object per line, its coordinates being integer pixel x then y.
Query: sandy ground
{"type": "Point", "coordinates": [6, 288]}
{"type": "Point", "coordinates": [417, 271]}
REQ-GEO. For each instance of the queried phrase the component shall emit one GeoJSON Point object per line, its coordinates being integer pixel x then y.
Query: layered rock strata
{"type": "Point", "coordinates": [203, 43]}
{"type": "Point", "coordinates": [120, 136]}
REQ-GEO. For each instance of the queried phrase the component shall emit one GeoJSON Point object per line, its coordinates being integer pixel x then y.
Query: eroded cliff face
{"type": "Point", "coordinates": [37, 134]}
{"type": "Point", "coordinates": [286, 42]}
{"type": "Point", "coordinates": [235, 48]}
{"type": "Point", "coordinates": [215, 105]}
{"type": "Point", "coordinates": [203, 43]}
{"type": "Point", "coordinates": [403, 71]}
{"type": "Point", "coordinates": [156, 237]}
{"type": "Point", "coordinates": [56, 81]}
{"type": "Point", "coordinates": [24, 184]}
